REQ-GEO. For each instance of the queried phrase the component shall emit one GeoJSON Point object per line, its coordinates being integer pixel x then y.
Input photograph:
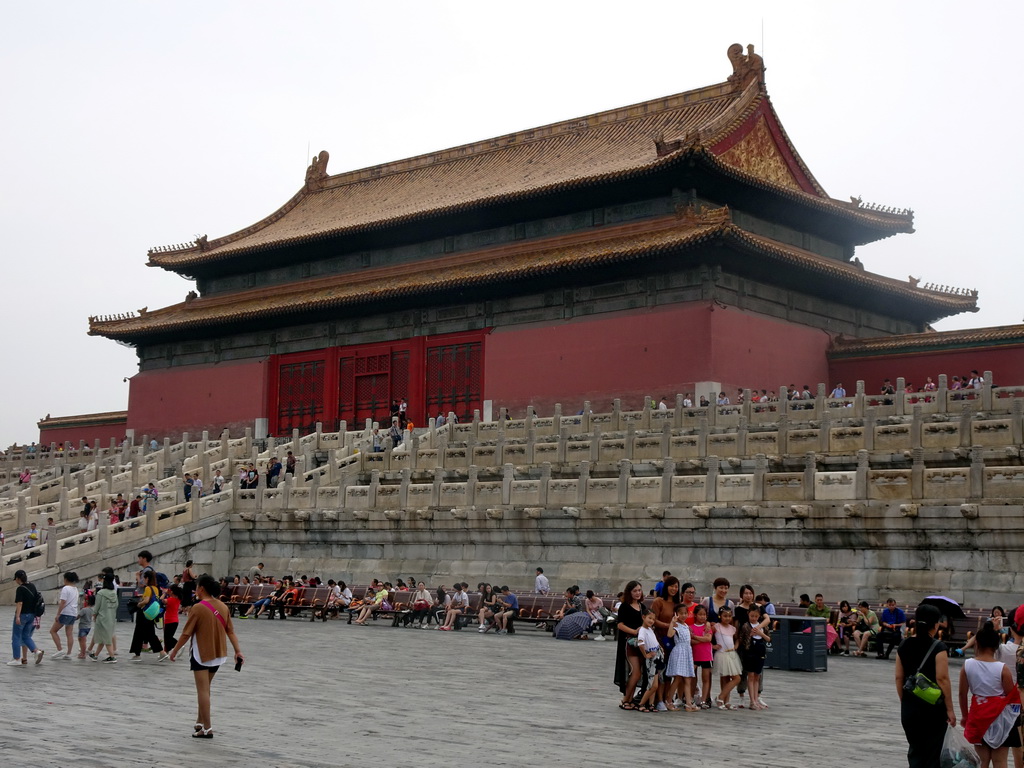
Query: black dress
{"type": "Point", "coordinates": [924, 724]}
{"type": "Point", "coordinates": [633, 619]}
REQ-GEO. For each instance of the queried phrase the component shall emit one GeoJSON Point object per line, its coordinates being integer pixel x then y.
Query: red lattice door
{"type": "Point", "coordinates": [368, 383]}
{"type": "Point", "coordinates": [300, 396]}
{"type": "Point", "coordinates": [454, 379]}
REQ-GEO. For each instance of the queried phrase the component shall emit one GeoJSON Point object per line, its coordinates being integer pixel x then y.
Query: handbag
{"type": "Point", "coordinates": [920, 685]}
{"type": "Point", "coordinates": [153, 609]}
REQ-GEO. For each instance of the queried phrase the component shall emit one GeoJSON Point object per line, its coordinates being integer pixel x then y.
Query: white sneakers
{"type": "Point", "coordinates": [39, 656]}
{"type": "Point", "coordinates": [60, 654]}
{"type": "Point", "coordinates": [15, 663]}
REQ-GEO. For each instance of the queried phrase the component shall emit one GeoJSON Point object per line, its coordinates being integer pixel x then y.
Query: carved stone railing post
{"type": "Point", "coordinates": [595, 446]}
{"type": "Point", "coordinates": [563, 439]}
{"type": "Point", "coordinates": [545, 481]}
{"type": "Point", "coordinates": [677, 414]}
{"type": "Point", "coordinates": [713, 468]}
{"type": "Point", "coordinates": [712, 409]}
{"type": "Point", "coordinates": [917, 473]}
{"type": "Point", "coordinates": [860, 490]}
{"type": "Point", "coordinates": [624, 467]}
{"type": "Point", "coordinates": [645, 415]}
{"type": "Point", "coordinates": [1016, 421]}
{"type": "Point", "coordinates": [52, 546]}
{"type": "Point", "coordinates": [371, 499]}
{"type": "Point", "coordinates": [702, 437]}
{"type": "Point", "coordinates": [942, 393]}
{"type": "Point", "coordinates": [965, 426]}
{"type": "Point", "coordinates": [977, 484]}
{"type": "Point", "coordinates": [581, 487]}
{"type": "Point", "coordinates": [901, 396]}
{"type": "Point", "coordinates": [435, 492]}
{"type": "Point", "coordinates": [65, 506]}
{"type": "Point", "coordinates": [22, 511]}
{"type": "Point", "coordinates": [825, 431]}
{"type": "Point", "coordinates": [616, 412]}
{"type": "Point", "coordinates": [403, 489]}
{"type": "Point", "coordinates": [760, 470]}
{"type": "Point", "coordinates": [810, 469]}
{"type": "Point", "coordinates": [986, 391]}
{"type": "Point", "coordinates": [782, 438]}
{"type": "Point", "coordinates": [870, 423]}
{"type": "Point", "coordinates": [531, 415]}
{"type": "Point", "coordinates": [531, 441]}
{"type": "Point", "coordinates": [668, 471]}
{"type": "Point", "coordinates": [585, 425]}
{"type": "Point", "coordinates": [103, 534]}
{"type": "Point", "coordinates": [80, 488]}
{"type": "Point", "coordinates": [472, 473]}
{"type": "Point", "coordinates": [819, 402]}
{"type": "Point", "coordinates": [508, 474]}
{"type": "Point", "coordinates": [630, 439]}
{"type": "Point", "coordinates": [859, 400]}
{"type": "Point", "coordinates": [666, 439]}
{"type": "Point", "coordinates": [916, 427]}
{"type": "Point", "coordinates": [741, 436]}
{"type": "Point", "coordinates": [745, 409]}
{"type": "Point", "coordinates": [150, 521]}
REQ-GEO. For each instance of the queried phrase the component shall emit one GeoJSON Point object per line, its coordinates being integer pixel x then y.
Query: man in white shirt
{"type": "Point", "coordinates": [541, 583]}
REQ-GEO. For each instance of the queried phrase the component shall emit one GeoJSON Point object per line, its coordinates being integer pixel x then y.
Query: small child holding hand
{"type": "Point", "coordinates": [648, 645]}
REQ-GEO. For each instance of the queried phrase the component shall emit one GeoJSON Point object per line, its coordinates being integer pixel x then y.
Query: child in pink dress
{"type": "Point", "coordinates": [701, 637]}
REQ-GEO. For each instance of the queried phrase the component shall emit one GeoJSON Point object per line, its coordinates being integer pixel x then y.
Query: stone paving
{"type": "Point", "coordinates": [337, 695]}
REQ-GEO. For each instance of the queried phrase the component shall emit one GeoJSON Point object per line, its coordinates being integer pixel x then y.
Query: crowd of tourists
{"type": "Point", "coordinates": [94, 608]}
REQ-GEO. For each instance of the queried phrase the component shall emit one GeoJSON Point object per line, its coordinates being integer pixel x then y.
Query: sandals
{"type": "Point", "coordinates": [720, 704]}
{"type": "Point", "coordinates": [203, 733]}
{"type": "Point", "coordinates": [627, 705]}
{"type": "Point", "coordinates": [691, 708]}
{"type": "Point", "coordinates": [645, 709]}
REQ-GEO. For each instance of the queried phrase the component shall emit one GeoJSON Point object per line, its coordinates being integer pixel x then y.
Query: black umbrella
{"type": "Point", "coordinates": [947, 606]}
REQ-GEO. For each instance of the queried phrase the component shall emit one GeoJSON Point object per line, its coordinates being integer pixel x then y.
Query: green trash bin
{"type": "Point", "coordinates": [808, 651]}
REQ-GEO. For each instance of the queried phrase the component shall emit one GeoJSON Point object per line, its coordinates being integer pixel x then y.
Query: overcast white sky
{"type": "Point", "coordinates": [127, 125]}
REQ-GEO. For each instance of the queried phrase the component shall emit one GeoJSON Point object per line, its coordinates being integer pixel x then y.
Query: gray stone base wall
{"type": "Point", "coordinates": [846, 551]}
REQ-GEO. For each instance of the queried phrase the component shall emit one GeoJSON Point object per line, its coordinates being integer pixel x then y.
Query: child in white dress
{"type": "Point", "coordinates": [648, 645]}
{"type": "Point", "coordinates": [680, 661]}
{"type": "Point", "coordinates": [727, 660]}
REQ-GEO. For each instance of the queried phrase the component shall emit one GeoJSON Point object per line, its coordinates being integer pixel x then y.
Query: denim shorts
{"type": "Point", "coordinates": [66, 621]}
{"type": "Point", "coordinates": [84, 631]}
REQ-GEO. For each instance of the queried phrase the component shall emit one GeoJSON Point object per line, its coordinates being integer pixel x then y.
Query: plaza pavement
{"type": "Point", "coordinates": [337, 695]}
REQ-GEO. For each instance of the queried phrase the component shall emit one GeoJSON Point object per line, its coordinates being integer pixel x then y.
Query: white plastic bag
{"type": "Point", "coordinates": [957, 752]}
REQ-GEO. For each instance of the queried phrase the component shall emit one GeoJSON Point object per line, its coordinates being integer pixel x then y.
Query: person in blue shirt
{"type": "Point", "coordinates": [892, 622]}
{"type": "Point", "coordinates": [510, 603]}
{"type": "Point", "coordinates": [661, 584]}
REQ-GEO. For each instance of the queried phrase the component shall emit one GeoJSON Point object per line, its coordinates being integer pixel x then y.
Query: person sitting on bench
{"type": "Point", "coordinates": [508, 608]}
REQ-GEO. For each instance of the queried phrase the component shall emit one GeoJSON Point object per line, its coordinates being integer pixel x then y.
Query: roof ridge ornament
{"type": "Point", "coordinates": [316, 173]}
{"type": "Point", "coordinates": [745, 67]}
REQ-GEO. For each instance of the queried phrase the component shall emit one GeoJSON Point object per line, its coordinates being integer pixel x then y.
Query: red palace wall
{"type": "Point", "coordinates": [649, 352]}
{"type": "Point", "coordinates": [1006, 364]}
{"type": "Point", "coordinates": [755, 351]}
{"type": "Point", "coordinates": [90, 434]}
{"type": "Point", "coordinates": [198, 397]}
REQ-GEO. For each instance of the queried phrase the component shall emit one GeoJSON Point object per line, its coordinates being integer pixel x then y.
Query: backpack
{"type": "Point", "coordinates": [40, 601]}
{"type": "Point", "coordinates": [162, 581]}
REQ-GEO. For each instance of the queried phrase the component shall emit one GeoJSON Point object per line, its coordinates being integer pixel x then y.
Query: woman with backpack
{"type": "Point", "coordinates": [145, 627]}
{"type": "Point", "coordinates": [28, 604]}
